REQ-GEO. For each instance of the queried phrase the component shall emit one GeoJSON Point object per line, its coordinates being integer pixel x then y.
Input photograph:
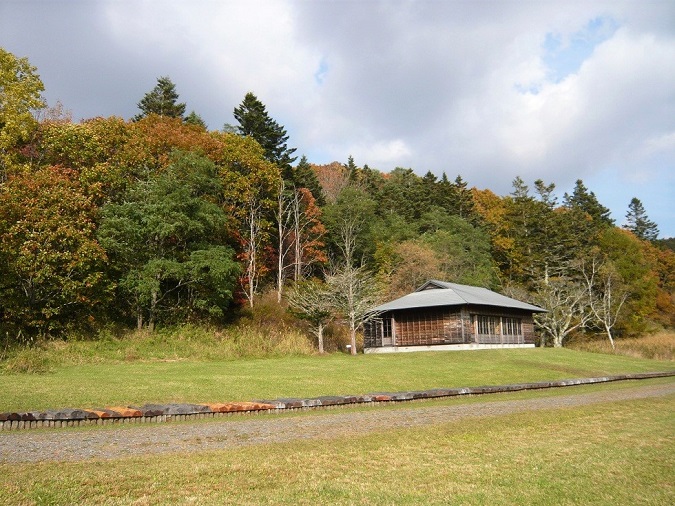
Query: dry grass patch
{"type": "Point", "coordinates": [659, 346]}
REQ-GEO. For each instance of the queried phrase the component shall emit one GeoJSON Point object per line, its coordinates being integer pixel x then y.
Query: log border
{"type": "Point", "coordinates": [160, 413]}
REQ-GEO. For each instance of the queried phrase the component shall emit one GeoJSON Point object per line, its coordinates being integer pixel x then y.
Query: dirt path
{"type": "Point", "coordinates": [106, 443]}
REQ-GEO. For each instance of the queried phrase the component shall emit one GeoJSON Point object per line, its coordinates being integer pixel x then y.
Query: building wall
{"type": "Point", "coordinates": [434, 326]}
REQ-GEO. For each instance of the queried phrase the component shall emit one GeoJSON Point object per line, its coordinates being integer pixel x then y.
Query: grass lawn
{"type": "Point", "coordinates": [613, 453]}
{"type": "Point", "coordinates": [135, 383]}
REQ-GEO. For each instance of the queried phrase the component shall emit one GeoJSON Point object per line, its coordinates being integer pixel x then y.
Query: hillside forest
{"type": "Point", "coordinates": [159, 220]}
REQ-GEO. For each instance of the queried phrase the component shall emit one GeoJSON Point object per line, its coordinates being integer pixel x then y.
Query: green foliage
{"type": "Point", "coordinates": [585, 201]}
{"type": "Point", "coordinates": [637, 272]}
{"type": "Point", "coordinates": [162, 101]}
{"type": "Point", "coordinates": [638, 222]}
{"type": "Point", "coordinates": [464, 253]}
{"type": "Point", "coordinates": [20, 96]}
{"type": "Point", "coordinates": [195, 119]}
{"type": "Point", "coordinates": [350, 222]}
{"type": "Point", "coordinates": [305, 177]}
{"type": "Point", "coordinates": [255, 122]}
{"type": "Point", "coordinates": [166, 242]}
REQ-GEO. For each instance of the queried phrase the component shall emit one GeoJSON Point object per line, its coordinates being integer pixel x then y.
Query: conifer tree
{"type": "Point", "coordinates": [305, 177]}
{"type": "Point", "coordinates": [587, 202]}
{"type": "Point", "coordinates": [162, 100]}
{"type": "Point", "coordinates": [255, 122]}
{"type": "Point", "coordinates": [195, 119]}
{"type": "Point", "coordinates": [638, 222]}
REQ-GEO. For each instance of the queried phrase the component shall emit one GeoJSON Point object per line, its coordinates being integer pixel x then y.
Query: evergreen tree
{"type": "Point", "coordinates": [587, 202]}
{"type": "Point", "coordinates": [305, 177]}
{"type": "Point", "coordinates": [638, 222]}
{"type": "Point", "coordinates": [162, 100]}
{"type": "Point", "coordinates": [352, 170]}
{"type": "Point", "coordinates": [256, 123]}
{"type": "Point", "coordinates": [195, 119]}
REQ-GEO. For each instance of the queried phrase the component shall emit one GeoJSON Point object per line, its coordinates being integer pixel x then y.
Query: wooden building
{"type": "Point", "coordinates": [441, 315]}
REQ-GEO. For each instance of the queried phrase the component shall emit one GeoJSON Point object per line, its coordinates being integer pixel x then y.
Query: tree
{"type": "Point", "coordinates": [166, 242]}
{"type": "Point", "coordinates": [354, 293]}
{"type": "Point", "coordinates": [638, 222]}
{"type": "Point", "coordinates": [407, 266]}
{"type": "Point", "coordinates": [588, 203]}
{"type": "Point", "coordinates": [195, 119]}
{"type": "Point", "coordinates": [256, 123]}
{"type": "Point", "coordinates": [251, 190]}
{"type": "Point", "coordinates": [20, 97]}
{"type": "Point", "coordinates": [312, 300]}
{"type": "Point", "coordinates": [606, 294]}
{"type": "Point", "coordinates": [305, 177]}
{"type": "Point", "coordinates": [162, 100]}
{"type": "Point", "coordinates": [50, 262]}
{"type": "Point", "coordinates": [349, 221]}
{"type": "Point", "coordinates": [566, 300]}
{"type": "Point", "coordinates": [333, 178]}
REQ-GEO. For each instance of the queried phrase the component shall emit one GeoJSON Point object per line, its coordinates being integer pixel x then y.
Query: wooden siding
{"type": "Point", "coordinates": [449, 325]}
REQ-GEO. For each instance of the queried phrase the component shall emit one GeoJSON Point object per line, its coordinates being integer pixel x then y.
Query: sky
{"type": "Point", "coordinates": [489, 90]}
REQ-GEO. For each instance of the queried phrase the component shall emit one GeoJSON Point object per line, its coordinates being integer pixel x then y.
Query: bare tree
{"type": "Point", "coordinates": [355, 293]}
{"type": "Point", "coordinates": [285, 215]}
{"type": "Point", "coordinates": [312, 300]}
{"type": "Point", "coordinates": [567, 303]}
{"type": "Point", "coordinates": [252, 245]}
{"type": "Point", "coordinates": [606, 296]}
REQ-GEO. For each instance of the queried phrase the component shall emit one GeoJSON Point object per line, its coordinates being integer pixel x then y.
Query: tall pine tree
{"type": "Point", "coordinates": [638, 222]}
{"type": "Point", "coordinates": [255, 122]}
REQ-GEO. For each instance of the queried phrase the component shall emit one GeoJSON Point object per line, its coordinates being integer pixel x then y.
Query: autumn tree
{"type": "Point", "coordinates": [638, 222]}
{"type": "Point", "coordinates": [20, 97]}
{"type": "Point", "coordinates": [333, 178]}
{"type": "Point", "coordinates": [51, 272]}
{"type": "Point", "coordinates": [250, 190]}
{"type": "Point", "coordinates": [162, 100]}
{"type": "Point", "coordinates": [405, 266]}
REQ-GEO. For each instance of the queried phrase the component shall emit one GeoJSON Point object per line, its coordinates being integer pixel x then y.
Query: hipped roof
{"type": "Point", "coordinates": [439, 293]}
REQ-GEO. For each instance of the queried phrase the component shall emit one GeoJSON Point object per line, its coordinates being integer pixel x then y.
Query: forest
{"type": "Point", "coordinates": [159, 220]}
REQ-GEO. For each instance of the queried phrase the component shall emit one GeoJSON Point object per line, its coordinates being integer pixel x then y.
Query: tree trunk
{"type": "Point", "coordinates": [320, 337]}
{"type": "Point", "coordinates": [609, 335]}
{"type": "Point", "coordinates": [352, 332]}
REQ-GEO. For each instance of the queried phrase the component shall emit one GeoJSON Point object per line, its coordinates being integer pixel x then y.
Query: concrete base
{"type": "Point", "coordinates": [445, 347]}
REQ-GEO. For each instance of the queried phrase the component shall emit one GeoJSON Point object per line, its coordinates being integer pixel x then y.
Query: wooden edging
{"type": "Point", "coordinates": [154, 413]}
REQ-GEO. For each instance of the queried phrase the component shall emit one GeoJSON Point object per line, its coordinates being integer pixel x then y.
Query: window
{"type": "Point", "coordinates": [498, 329]}
{"type": "Point", "coordinates": [386, 327]}
{"type": "Point", "coordinates": [511, 327]}
{"type": "Point", "coordinates": [486, 325]}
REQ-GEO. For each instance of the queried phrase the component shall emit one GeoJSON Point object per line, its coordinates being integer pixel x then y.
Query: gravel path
{"type": "Point", "coordinates": [106, 443]}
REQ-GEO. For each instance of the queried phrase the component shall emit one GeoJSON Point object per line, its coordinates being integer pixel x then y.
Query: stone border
{"type": "Point", "coordinates": [154, 413]}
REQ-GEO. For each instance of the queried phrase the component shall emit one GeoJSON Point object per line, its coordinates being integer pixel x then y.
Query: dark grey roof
{"type": "Point", "coordinates": [439, 293]}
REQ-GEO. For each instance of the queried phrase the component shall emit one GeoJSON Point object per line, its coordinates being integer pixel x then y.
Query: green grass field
{"type": "Point", "coordinates": [613, 453]}
{"type": "Point", "coordinates": [138, 382]}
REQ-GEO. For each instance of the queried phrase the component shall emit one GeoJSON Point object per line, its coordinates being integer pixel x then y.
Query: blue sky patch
{"type": "Point", "coordinates": [321, 72]}
{"type": "Point", "coordinates": [564, 56]}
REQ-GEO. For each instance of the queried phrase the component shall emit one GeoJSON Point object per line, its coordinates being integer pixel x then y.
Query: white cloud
{"type": "Point", "coordinates": [488, 90]}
